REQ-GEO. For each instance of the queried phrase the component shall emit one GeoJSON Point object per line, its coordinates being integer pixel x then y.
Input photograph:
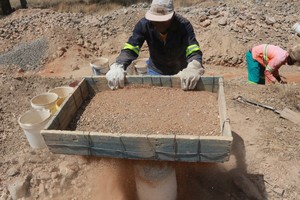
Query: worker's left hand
{"type": "Point", "coordinates": [190, 75]}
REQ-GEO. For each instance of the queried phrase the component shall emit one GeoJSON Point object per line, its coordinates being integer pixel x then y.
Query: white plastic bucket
{"type": "Point", "coordinates": [99, 66]}
{"type": "Point", "coordinates": [62, 92]}
{"type": "Point", "coordinates": [155, 182]}
{"type": "Point", "coordinates": [32, 122]}
{"type": "Point", "coordinates": [140, 66]}
{"type": "Point", "coordinates": [296, 28]}
{"type": "Point", "coordinates": [45, 101]}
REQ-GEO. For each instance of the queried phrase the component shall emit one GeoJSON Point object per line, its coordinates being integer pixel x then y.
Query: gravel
{"type": "Point", "coordinates": [27, 56]}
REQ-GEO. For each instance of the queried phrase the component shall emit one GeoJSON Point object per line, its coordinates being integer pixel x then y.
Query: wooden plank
{"type": "Point", "coordinates": [208, 84]}
{"type": "Point", "coordinates": [176, 82]}
{"type": "Point", "coordinates": [56, 122]}
{"type": "Point", "coordinates": [84, 89]}
{"type": "Point", "coordinates": [135, 146]}
{"type": "Point", "coordinates": [53, 124]}
{"type": "Point", "coordinates": [224, 120]}
{"type": "Point", "coordinates": [204, 83]}
{"type": "Point", "coordinates": [66, 142]}
{"type": "Point", "coordinates": [215, 148]}
{"type": "Point", "coordinates": [290, 115]}
{"type": "Point", "coordinates": [164, 145]}
{"type": "Point", "coordinates": [86, 143]}
{"type": "Point", "coordinates": [147, 80]}
{"type": "Point", "coordinates": [214, 157]}
{"type": "Point", "coordinates": [71, 105]}
{"type": "Point", "coordinates": [215, 144]}
{"type": "Point", "coordinates": [133, 80]}
{"type": "Point", "coordinates": [166, 81]}
{"type": "Point", "coordinates": [156, 81]}
{"type": "Point", "coordinates": [98, 83]}
{"type": "Point", "coordinates": [187, 148]}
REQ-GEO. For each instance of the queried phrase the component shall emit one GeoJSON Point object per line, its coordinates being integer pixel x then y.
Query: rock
{"type": "Point", "coordinates": [239, 23]}
{"type": "Point", "coordinates": [13, 171]}
{"type": "Point", "coordinates": [42, 190]}
{"type": "Point", "coordinates": [4, 194]}
{"type": "Point", "coordinates": [54, 175]}
{"type": "Point", "coordinates": [60, 53]}
{"type": "Point", "coordinates": [41, 175]}
{"type": "Point", "coordinates": [206, 23]}
{"type": "Point", "coordinates": [80, 42]}
{"type": "Point", "coordinates": [222, 22]}
{"type": "Point", "coordinates": [278, 130]}
{"type": "Point", "coordinates": [64, 49]}
{"type": "Point", "coordinates": [213, 12]}
{"type": "Point", "coordinates": [235, 60]}
{"type": "Point", "coordinates": [75, 67]}
{"type": "Point", "coordinates": [203, 17]}
{"type": "Point", "coordinates": [19, 188]}
{"type": "Point", "coordinates": [34, 159]}
{"type": "Point", "coordinates": [270, 20]}
{"type": "Point", "coordinates": [20, 70]}
{"type": "Point", "coordinates": [67, 170]}
{"type": "Point", "coordinates": [279, 191]}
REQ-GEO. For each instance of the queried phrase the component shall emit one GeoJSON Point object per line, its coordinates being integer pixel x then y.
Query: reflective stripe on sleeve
{"type": "Point", "coordinates": [135, 49]}
{"type": "Point", "coordinates": [269, 69]}
{"type": "Point", "coordinates": [266, 55]}
{"type": "Point", "coordinates": [192, 48]}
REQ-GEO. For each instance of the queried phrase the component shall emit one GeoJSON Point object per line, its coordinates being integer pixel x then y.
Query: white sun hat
{"type": "Point", "coordinates": [160, 11]}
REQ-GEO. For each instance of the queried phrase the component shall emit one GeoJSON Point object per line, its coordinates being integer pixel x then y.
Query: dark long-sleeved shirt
{"type": "Point", "coordinates": [166, 57]}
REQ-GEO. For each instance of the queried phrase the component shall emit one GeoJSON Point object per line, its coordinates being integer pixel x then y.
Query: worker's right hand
{"type": "Point", "coordinates": [115, 76]}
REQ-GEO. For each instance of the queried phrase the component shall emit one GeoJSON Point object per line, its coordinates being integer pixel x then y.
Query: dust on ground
{"type": "Point", "coordinates": [264, 161]}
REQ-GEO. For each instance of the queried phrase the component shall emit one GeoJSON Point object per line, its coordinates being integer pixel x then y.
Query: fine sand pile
{"type": "Point", "coordinates": [151, 110]}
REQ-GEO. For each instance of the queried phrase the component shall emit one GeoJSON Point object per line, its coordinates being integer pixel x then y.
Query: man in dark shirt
{"type": "Point", "coordinates": [172, 44]}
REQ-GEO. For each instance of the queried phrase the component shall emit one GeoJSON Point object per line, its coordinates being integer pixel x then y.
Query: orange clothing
{"type": "Point", "coordinates": [271, 57]}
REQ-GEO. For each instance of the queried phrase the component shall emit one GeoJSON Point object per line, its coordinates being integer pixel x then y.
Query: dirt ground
{"type": "Point", "coordinates": [265, 155]}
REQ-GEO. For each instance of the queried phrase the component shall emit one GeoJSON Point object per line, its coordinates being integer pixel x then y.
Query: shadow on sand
{"type": "Point", "coordinates": [215, 181]}
{"type": "Point", "coordinates": [228, 180]}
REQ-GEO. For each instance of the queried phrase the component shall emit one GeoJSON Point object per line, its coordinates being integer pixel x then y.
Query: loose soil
{"type": "Point", "coordinates": [151, 110]}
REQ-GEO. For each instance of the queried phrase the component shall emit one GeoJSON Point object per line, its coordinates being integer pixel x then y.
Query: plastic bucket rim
{"type": "Point", "coordinates": [104, 63]}
{"type": "Point", "coordinates": [23, 125]}
{"type": "Point", "coordinates": [39, 95]}
{"type": "Point", "coordinates": [70, 90]}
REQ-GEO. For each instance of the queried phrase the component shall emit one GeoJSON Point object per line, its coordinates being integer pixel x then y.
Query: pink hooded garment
{"type": "Point", "coordinates": [275, 58]}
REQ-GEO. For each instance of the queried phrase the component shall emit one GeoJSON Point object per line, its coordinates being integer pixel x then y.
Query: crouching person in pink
{"type": "Point", "coordinates": [264, 61]}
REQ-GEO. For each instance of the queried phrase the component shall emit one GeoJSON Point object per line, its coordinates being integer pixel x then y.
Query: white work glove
{"type": "Point", "coordinates": [115, 76]}
{"type": "Point", "coordinates": [190, 75]}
